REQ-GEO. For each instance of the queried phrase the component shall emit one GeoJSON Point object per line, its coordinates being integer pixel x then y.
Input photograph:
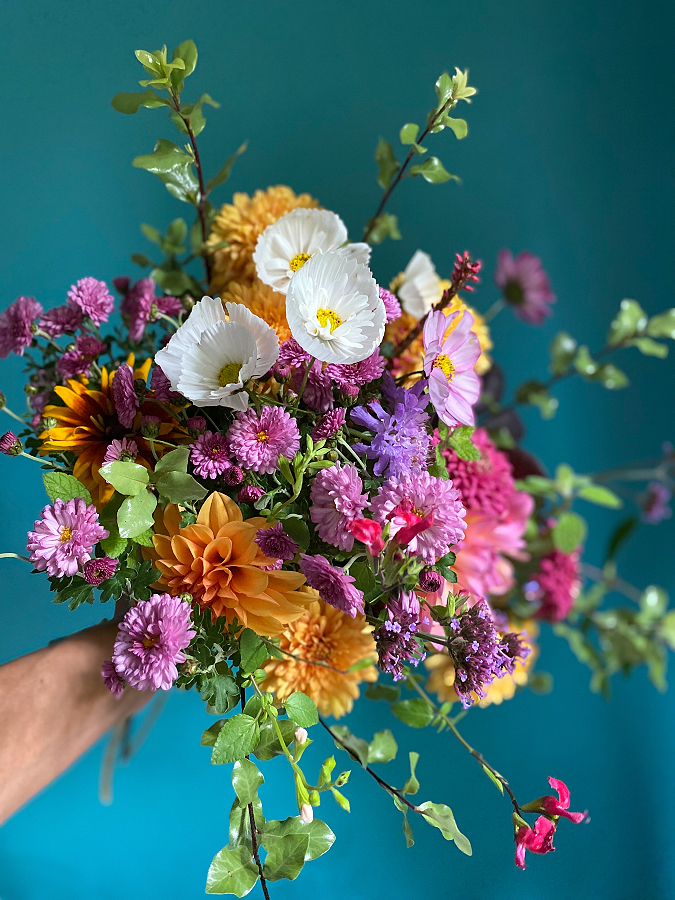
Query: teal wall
{"type": "Point", "coordinates": [569, 155]}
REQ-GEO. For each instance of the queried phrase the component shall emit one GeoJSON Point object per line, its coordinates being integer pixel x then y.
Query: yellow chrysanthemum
{"type": "Point", "coordinates": [240, 223]}
{"type": "Point", "coordinates": [442, 678]}
{"type": "Point", "coordinates": [263, 301]}
{"type": "Point", "coordinates": [324, 635]}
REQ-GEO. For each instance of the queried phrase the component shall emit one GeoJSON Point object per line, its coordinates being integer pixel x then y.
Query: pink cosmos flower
{"type": "Point", "coordinates": [93, 298]}
{"type": "Point", "coordinates": [336, 500]}
{"type": "Point", "coordinates": [124, 394]}
{"type": "Point", "coordinates": [448, 362]}
{"type": "Point", "coordinates": [259, 439]}
{"type": "Point", "coordinates": [61, 320]}
{"type": "Point", "coordinates": [210, 455]}
{"type": "Point", "coordinates": [537, 840]}
{"type": "Point", "coordinates": [525, 285]}
{"type": "Point", "coordinates": [64, 538]}
{"type": "Point", "coordinates": [15, 326]}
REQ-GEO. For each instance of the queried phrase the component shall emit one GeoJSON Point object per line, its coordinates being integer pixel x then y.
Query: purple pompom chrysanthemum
{"type": "Point", "coordinates": [137, 306]}
{"type": "Point", "coordinates": [96, 571]}
{"type": "Point", "coordinates": [391, 305]}
{"type": "Point", "coordinates": [258, 439]}
{"type": "Point", "coordinates": [16, 326]}
{"type": "Point", "coordinates": [329, 424]}
{"type": "Point", "coordinates": [356, 375]}
{"type": "Point", "coordinates": [335, 587]}
{"type": "Point", "coordinates": [336, 500]}
{"type": "Point", "coordinates": [111, 679]}
{"type": "Point", "coordinates": [64, 537]}
{"type": "Point", "coordinates": [161, 386]}
{"type": "Point", "coordinates": [93, 298]}
{"type": "Point", "coordinates": [61, 320]}
{"type": "Point", "coordinates": [210, 455]}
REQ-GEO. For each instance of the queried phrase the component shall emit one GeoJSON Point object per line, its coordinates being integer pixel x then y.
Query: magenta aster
{"type": "Point", "coordinates": [525, 285]}
{"type": "Point", "coordinates": [358, 374]}
{"type": "Point", "coordinates": [448, 362]}
{"type": "Point", "coordinates": [556, 585]}
{"type": "Point", "coordinates": [416, 497]}
{"type": "Point", "coordinates": [124, 394]}
{"type": "Point", "coordinates": [329, 424]}
{"type": "Point", "coordinates": [93, 298]}
{"type": "Point", "coordinates": [233, 475]}
{"type": "Point", "coordinates": [111, 679]}
{"type": "Point", "coordinates": [64, 537]}
{"type": "Point", "coordinates": [61, 320]}
{"type": "Point", "coordinates": [484, 484]}
{"type": "Point", "coordinates": [96, 571]}
{"type": "Point", "coordinates": [391, 305]}
{"type": "Point", "coordinates": [335, 586]}
{"type": "Point", "coordinates": [258, 439]}
{"type": "Point", "coordinates": [125, 450]}
{"type": "Point", "coordinates": [210, 455]}
{"type": "Point", "coordinates": [137, 307]}
{"type": "Point", "coordinates": [150, 642]}
{"type": "Point", "coordinates": [275, 543]}
{"type": "Point", "coordinates": [16, 324]}
{"type": "Point", "coordinates": [337, 500]}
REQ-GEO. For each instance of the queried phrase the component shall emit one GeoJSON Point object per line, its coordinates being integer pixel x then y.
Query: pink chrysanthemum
{"type": "Point", "coordinates": [10, 444]}
{"type": "Point", "coordinates": [15, 325]}
{"type": "Point", "coordinates": [275, 543]}
{"type": "Point", "coordinates": [93, 298]}
{"type": "Point", "coordinates": [124, 394]}
{"type": "Point", "coordinates": [259, 439]}
{"type": "Point", "coordinates": [358, 374]}
{"type": "Point", "coordinates": [64, 537]}
{"type": "Point", "coordinates": [161, 386]}
{"type": "Point", "coordinates": [525, 285]}
{"type": "Point", "coordinates": [96, 571]}
{"type": "Point", "coordinates": [391, 305]}
{"type": "Point", "coordinates": [556, 585]}
{"type": "Point", "coordinates": [111, 679]}
{"type": "Point", "coordinates": [125, 450]}
{"type": "Point", "coordinates": [210, 455]}
{"type": "Point", "coordinates": [484, 484]}
{"type": "Point", "coordinates": [329, 424]}
{"type": "Point", "coordinates": [454, 386]}
{"type": "Point", "coordinates": [137, 306]}
{"type": "Point", "coordinates": [335, 586]}
{"type": "Point", "coordinates": [416, 497]}
{"type": "Point", "coordinates": [336, 500]}
{"type": "Point", "coordinates": [61, 320]}
{"type": "Point", "coordinates": [150, 642]}
{"type": "Point", "coordinates": [78, 360]}
{"type": "Point", "coordinates": [318, 392]}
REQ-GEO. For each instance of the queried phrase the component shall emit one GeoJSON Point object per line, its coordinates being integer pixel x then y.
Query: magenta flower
{"type": "Point", "coordinates": [552, 806]}
{"type": "Point", "coordinates": [150, 642]}
{"type": "Point", "coordinates": [655, 502]}
{"type": "Point", "coordinates": [210, 455]}
{"type": "Point", "coordinates": [96, 571]}
{"type": "Point", "coordinates": [64, 538]}
{"type": "Point", "coordinates": [318, 392]}
{"type": "Point", "coordinates": [336, 500]}
{"type": "Point", "coordinates": [16, 324]}
{"type": "Point", "coordinates": [329, 424]}
{"type": "Point", "coordinates": [484, 484]}
{"type": "Point", "coordinates": [125, 450]}
{"type": "Point", "coordinates": [196, 425]}
{"type": "Point", "coordinates": [250, 493]}
{"type": "Point", "coordinates": [125, 396]}
{"type": "Point", "coordinates": [93, 298]}
{"type": "Point", "coordinates": [453, 384]}
{"type": "Point", "coordinates": [556, 585]}
{"type": "Point", "coordinates": [61, 320]}
{"type": "Point", "coordinates": [350, 378]}
{"type": "Point", "coordinates": [525, 285]}
{"type": "Point", "coordinates": [78, 360]}
{"type": "Point", "coordinates": [233, 475]}
{"type": "Point", "coordinates": [111, 679]}
{"type": "Point", "coordinates": [335, 586]}
{"type": "Point", "coordinates": [369, 533]}
{"type": "Point", "coordinates": [421, 495]}
{"type": "Point", "coordinates": [275, 543]}
{"type": "Point", "coordinates": [161, 386]}
{"type": "Point", "coordinates": [257, 440]}
{"type": "Point", "coordinates": [537, 840]}
{"type": "Point", "coordinates": [391, 305]}
{"type": "Point", "coordinates": [10, 444]}
{"type": "Point", "coordinates": [137, 307]}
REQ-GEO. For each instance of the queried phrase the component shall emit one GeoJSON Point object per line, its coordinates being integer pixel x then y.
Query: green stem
{"type": "Point", "coordinates": [311, 362]}
{"type": "Point", "coordinates": [13, 415]}
{"type": "Point", "coordinates": [343, 443]}
{"type": "Point", "coordinates": [493, 311]}
{"type": "Point", "coordinates": [161, 315]}
{"type": "Point", "coordinates": [43, 462]}
{"type": "Point", "coordinates": [14, 556]}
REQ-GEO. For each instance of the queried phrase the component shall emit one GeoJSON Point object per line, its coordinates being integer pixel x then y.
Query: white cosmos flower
{"type": "Point", "coordinates": [334, 309]}
{"type": "Point", "coordinates": [286, 245]}
{"type": "Point", "coordinates": [212, 355]}
{"type": "Point", "coordinates": [421, 287]}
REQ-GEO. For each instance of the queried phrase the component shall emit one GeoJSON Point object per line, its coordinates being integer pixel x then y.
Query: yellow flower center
{"type": "Point", "coordinates": [418, 513]}
{"type": "Point", "coordinates": [66, 534]}
{"type": "Point", "coordinates": [229, 374]}
{"type": "Point", "coordinates": [445, 364]}
{"type": "Point", "coordinates": [149, 642]}
{"type": "Point", "coordinates": [262, 436]}
{"type": "Point", "coordinates": [298, 261]}
{"type": "Point", "coordinates": [328, 317]}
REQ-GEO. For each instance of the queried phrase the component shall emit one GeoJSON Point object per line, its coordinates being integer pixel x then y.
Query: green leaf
{"type": "Point", "coordinates": [269, 745]}
{"type": "Point", "coordinates": [240, 822]}
{"type": "Point", "coordinates": [246, 779]}
{"type": "Point", "coordinates": [114, 546]}
{"type": "Point", "coordinates": [601, 496]}
{"type": "Point", "coordinates": [416, 712]}
{"type": "Point", "coordinates": [340, 799]}
{"type": "Point", "coordinates": [444, 87]}
{"type": "Point", "coordinates": [145, 539]}
{"type": "Point", "coordinates": [493, 778]}
{"type": "Point", "coordinates": [301, 709]}
{"type": "Point", "coordinates": [663, 325]}
{"type": "Point", "coordinates": [412, 785]}
{"type": "Point", "coordinates": [648, 347]}
{"type": "Point", "coordinates": [175, 282]}
{"type": "Point", "coordinates": [408, 133]}
{"type": "Point", "coordinates": [433, 171]}
{"type": "Point", "coordinates": [187, 51]}
{"type": "Point", "coordinates": [131, 103]}
{"type": "Point", "coordinates": [459, 126]}
{"type": "Point", "coordinates": [630, 320]}
{"type": "Point", "coordinates": [536, 394]}
{"type": "Point", "coordinates": [320, 837]}
{"type": "Point", "coordinates": [128, 478]}
{"type": "Point", "coordinates": [667, 629]}
{"type": "Point", "coordinates": [298, 530]}
{"type": "Point", "coordinates": [194, 114]}
{"type": "Point", "coordinates": [136, 515]}
{"type": "Point", "coordinates": [387, 162]}
{"type": "Point", "coordinates": [238, 737]}
{"type": "Point", "coordinates": [383, 748]}
{"type": "Point", "coordinates": [584, 363]}
{"type": "Point", "coordinates": [621, 533]}
{"type": "Point", "coordinates": [383, 227]}
{"type": "Point", "coordinates": [562, 350]}
{"type": "Point", "coordinates": [653, 603]}
{"type": "Point", "coordinates": [152, 234]}
{"type": "Point", "coordinates": [179, 487]}
{"type": "Point", "coordinates": [388, 692]}
{"type": "Point", "coordinates": [173, 167]}
{"type": "Point", "coordinates": [569, 532]}
{"type": "Point", "coordinates": [60, 486]}
{"type": "Point", "coordinates": [441, 816]}
{"type": "Point", "coordinates": [253, 651]}
{"type": "Point", "coordinates": [407, 831]}
{"type": "Point", "coordinates": [224, 172]}
{"type": "Point", "coordinates": [232, 872]}
{"type": "Point", "coordinates": [355, 746]}
{"type": "Point", "coordinates": [285, 857]}
{"type": "Point", "coordinates": [219, 691]}
{"type": "Point", "coordinates": [460, 441]}
{"type": "Point", "coordinates": [364, 580]}
{"type": "Point", "coordinates": [611, 377]}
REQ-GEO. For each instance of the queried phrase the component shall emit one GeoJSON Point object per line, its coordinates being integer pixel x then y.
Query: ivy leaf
{"type": "Point", "coordinates": [663, 325]}
{"type": "Point", "coordinates": [253, 650]}
{"type": "Point", "coordinates": [460, 441]}
{"type": "Point", "coordinates": [433, 171]}
{"type": "Point", "coordinates": [240, 822]}
{"type": "Point", "coordinates": [630, 320]}
{"type": "Point", "coordinates": [355, 746]}
{"type": "Point", "coordinates": [416, 712]}
{"type": "Point", "coordinates": [388, 692]}
{"type": "Point", "coordinates": [246, 779]}
{"type": "Point", "coordinates": [301, 709]}
{"type": "Point", "coordinates": [285, 857]}
{"type": "Point", "coordinates": [237, 738]}
{"type": "Point", "coordinates": [387, 162]}
{"type": "Point", "coordinates": [569, 532]}
{"type": "Point", "coordinates": [136, 515]}
{"type": "Point", "coordinates": [128, 478]}
{"type": "Point", "coordinates": [131, 103]}
{"type": "Point", "coordinates": [385, 226]}
{"type": "Point", "coordinates": [441, 816]}
{"type": "Point", "coordinates": [60, 486]}
{"type": "Point", "coordinates": [601, 496]}
{"type": "Point", "coordinates": [383, 747]}
{"type": "Point", "coordinates": [224, 173]}
{"type": "Point", "coordinates": [320, 837]}
{"type": "Point", "coordinates": [232, 872]}
{"type": "Point", "coordinates": [269, 745]}
{"type": "Point", "coordinates": [179, 487]}
{"type": "Point", "coordinates": [173, 167]}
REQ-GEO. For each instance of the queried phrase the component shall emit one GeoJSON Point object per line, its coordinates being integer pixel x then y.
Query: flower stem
{"type": "Point", "coordinates": [173, 322]}
{"type": "Point", "coordinates": [493, 311]}
{"type": "Point", "coordinates": [311, 362]}
{"type": "Point", "coordinates": [251, 814]}
{"type": "Point", "coordinates": [13, 415]}
{"type": "Point", "coordinates": [14, 556]}
{"type": "Point", "coordinates": [43, 462]}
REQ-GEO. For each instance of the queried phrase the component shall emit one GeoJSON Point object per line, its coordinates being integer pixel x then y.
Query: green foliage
{"type": "Point", "coordinates": [459, 440]}
{"type": "Point", "coordinates": [383, 747]}
{"type": "Point", "coordinates": [416, 712]}
{"type": "Point", "coordinates": [128, 478]}
{"type": "Point", "coordinates": [569, 532]}
{"type": "Point", "coordinates": [246, 779]}
{"type": "Point", "coordinates": [387, 163]}
{"type": "Point", "coordinates": [269, 745]}
{"type": "Point", "coordinates": [131, 103]}
{"type": "Point", "coordinates": [219, 689]}
{"type": "Point", "coordinates": [301, 709]}
{"type": "Point", "coordinates": [237, 738]}
{"type": "Point", "coordinates": [173, 167]}
{"type": "Point", "coordinates": [187, 52]}
{"type": "Point", "coordinates": [224, 172]}
{"type": "Point", "coordinates": [355, 746]}
{"type": "Point", "coordinates": [537, 394]}
{"type": "Point", "coordinates": [620, 534]}
{"type": "Point", "coordinates": [408, 136]}
{"type": "Point", "coordinates": [663, 325]}
{"type": "Point", "coordinates": [433, 171]}
{"type": "Point", "coordinates": [114, 546]}
{"type": "Point", "coordinates": [388, 692]}
{"type": "Point", "coordinates": [299, 531]}
{"type": "Point", "coordinates": [232, 872]}
{"type": "Point", "coordinates": [563, 348]}
{"type": "Point", "coordinates": [649, 347]}
{"type": "Point", "coordinates": [629, 321]}
{"type": "Point", "coordinates": [253, 651]}
{"type": "Point", "coordinates": [607, 374]}
{"type": "Point", "coordinates": [136, 514]}
{"type": "Point", "coordinates": [440, 816]}
{"type": "Point", "coordinates": [192, 115]}
{"type": "Point", "coordinates": [60, 486]}
{"type": "Point", "coordinates": [285, 856]}
{"type": "Point", "coordinates": [319, 836]}
{"type": "Point", "coordinates": [179, 487]}
{"type": "Point", "coordinates": [601, 496]}
{"type": "Point", "coordinates": [383, 227]}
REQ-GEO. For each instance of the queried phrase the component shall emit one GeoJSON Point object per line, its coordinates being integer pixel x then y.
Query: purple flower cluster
{"type": "Point", "coordinates": [396, 639]}
{"type": "Point", "coordinates": [275, 543]}
{"type": "Point", "coordinates": [655, 503]}
{"type": "Point", "coordinates": [64, 537]}
{"type": "Point", "coordinates": [124, 394]}
{"type": "Point", "coordinates": [335, 586]}
{"type": "Point", "coordinates": [78, 360]}
{"type": "Point", "coordinates": [293, 360]}
{"type": "Point", "coordinates": [16, 323]}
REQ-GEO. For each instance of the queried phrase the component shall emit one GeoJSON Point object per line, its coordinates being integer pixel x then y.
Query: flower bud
{"type": "Point", "coordinates": [150, 426]}
{"type": "Point", "coordinates": [300, 735]}
{"type": "Point", "coordinates": [49, 422]}
{"type": "Point", "coordinates": [188, 302]}
{"type": "Point", "coordinates": [189, 667]}
{"type": "Point", "coordinates": [196, 426]}
{"type": "Point", "coordinates": [10, 445]}
{"type": "Point", "coordinates": [121, 284]}
{"type": "Point", "coordinates": [430, 580]}
{"type": "Point", "coordinates": [314, 798]}
{"type": "Point", "coordinates": [306, 814]}
{"type": "Point", "coordinates": [232, 476]}
{"type": "Point", "coordinates": [31, 390]}
{"type": "Point", "coordinates": [186, 598]}
{"type": "Point", "coordinates": [3, 400]}
{"type": "Point", "coordinates": [96, 571]}
{"type": "Point", "coordinates": [154, 310]}
{"type": "Point", "coordinates": [250, 493]}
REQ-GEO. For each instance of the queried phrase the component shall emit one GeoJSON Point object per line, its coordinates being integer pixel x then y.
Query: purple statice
{"type": "Point", "coordinates": [258, 439]}
{"type": "Point", "coordinates": [78, 360]}
{"type": "Point", "coordinates": [96, 571]}
{"type": "Point", "coordinates": [125, 450]}
{"type": "Point", "coordinates": [329, 424]}
{"type": "Point", "coordinates": [210, 455]}
{"type": "Point", "coordinates": [64, 537]}
{"type": "Point", "coordinates": [196, 425]}
{"type": "Point", "coordinates": [111, 679]}
{"type": "Point", "coordinates": [10, 444]}
{"type": "Point", "coordinates": [161, 386]}
{"type": "Point", "coordinates": [250, 493]}
{"type": "Point", "coordinates": [137, 307]}
{"type": "Point", "coordinates": [655, 502]}
{"type": "Point", "coordinates": [418, 497]}
{"type": "Point", "coordinates": [275, 543]}
{"type": "Point", "coordinates": [391, 305]}
{"type": "Point", "coordinates": [125, 396]}
{"type": "Point", "coordinates": [400, 442]}
{"type": "Point", "coordinates": [479, 653]}
{"type": "Point", "coordinates": [336, 497]}
{"type": "Point", "coordinates": [396, 639]}
{"type": "Point", "coordinates": [16, 325]}
{"type": "Point", "coordinates": [525, 285]}
{"type": "Point", "coordinates": [335, 586]}
{"type": "Point", "coordinates": [349, 378]}
{"type": "Point", "coordinates": [150, 642]}
{"type": "Point", "coordinates": [61, 320]}
{"type": "Point", "coordinates": [93, 298]}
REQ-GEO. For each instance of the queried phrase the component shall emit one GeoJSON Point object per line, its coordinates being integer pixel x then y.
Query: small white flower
{"type": "Point", "coordinates": [334, 309]}
{"type": "Point", "coordinates": [301, 735]}
{"type": "Point", "coordinates": [212, 355]}
{"type": "Point", "coordinates": [306, 814]}
{"type": "Point", "coordinates": [421, 287]}
{"type": "Point", "coordinates": [285, 246]}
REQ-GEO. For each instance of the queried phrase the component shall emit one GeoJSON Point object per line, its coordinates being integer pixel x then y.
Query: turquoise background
{"type": "Point", "coordinates": [569, 155]}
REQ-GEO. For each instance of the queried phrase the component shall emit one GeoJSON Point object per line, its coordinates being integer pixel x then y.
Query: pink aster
{"type": "Point", "coordinates": [96, 571]}
{"type": "Point", "coordinates": [453, 384]}
{"type": "Point", "coordinates": [525, 285]}
{"type": "Point", "coordinates": [420, 496]}
{"type": "Point", "coordinates": [150, 642]}
{"type": "Point", "coordinates": [391, 305]}
{"type": "Point", "coordinates": [537, 840]}
{"type": "Point", "coordinates": [485, 484]}
{"type": "Point", "coordinates": [329, 424]}
{"type": "Point", "coordinates": [78, 360]}
{"type": "Point", "coordinates": [358, 374]}
{"type": "Point", "coordinates": [93, 298]}
{"type": "Point", "coordinates": [137, 307]}
{"type": "Point", "coordinates": [556, 585]}
{"type": "Point", "coordinates": [111, 679]}
{"type": "Point", "coordinates": [336, 500]}
{"type": "Point", "coordinates": [161, 386]}
{"type": "Point", "coordinates": [125, 396]}
{"type": "Point", "coordinates": [16, 324]}
{"type": "Point", "coordinates": [125, 450]}
{"type": "Point", "coordinates": [258, 439]}
{"type": "Point", "coordinates": [61, 320]}
{"type": "Point", "coordinates": [64, 537]}
{"type": "Point", "coordinates": [335, 586]}
{"type": "Point", "coordinates": [210, 455]}
{"type": "Point", "coordinates": [275, 543]}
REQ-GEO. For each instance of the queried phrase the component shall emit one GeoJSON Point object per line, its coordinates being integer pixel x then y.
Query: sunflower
{"type": "Point", "coordinates": [87, 423]}
{"type": "Point", "coordinates": [218, 562]}
{"type": "Point", "coordinates": [323, 640]}
{"type": "Point", "coordinates": [442, 677]}
{"type": "Point", "coordinates": [240, 223]}
{"type": "Point", "coordinates": [263, 301]}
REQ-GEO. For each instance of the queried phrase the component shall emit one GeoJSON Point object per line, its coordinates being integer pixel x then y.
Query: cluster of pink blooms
{"type": "Point", "coordinates": [554, 588]}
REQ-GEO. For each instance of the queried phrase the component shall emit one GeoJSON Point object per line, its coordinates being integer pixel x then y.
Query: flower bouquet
{"type": "Point", "coordinates": [293, 481]}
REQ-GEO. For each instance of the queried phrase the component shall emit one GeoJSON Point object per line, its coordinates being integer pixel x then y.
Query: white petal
{"type": "Point", "coordinates": [421, 288]}
{"type": "Point", "coordinates": [360, 252]}
{"type": "Point", "coordinates": [205, 313]}
{"type": "Point", "coordinates": [266, 339]}
{"type": "Point", "coordinates": [220, 345]}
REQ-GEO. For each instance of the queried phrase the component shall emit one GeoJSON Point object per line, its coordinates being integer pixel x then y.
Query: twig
{"type": "Point", "coordinates": [251, 815]}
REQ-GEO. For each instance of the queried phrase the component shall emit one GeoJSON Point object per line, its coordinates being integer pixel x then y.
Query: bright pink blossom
{"type": "Point", "coordinates": [65, 536]}
{"type": "Point", "coordinates": [258, 439]}
{"type": "Point", "coordinates": [337, 499]}
{"type": "Point", "coordinates": [454, 386]}
{"type": "Point", "coordinates": [537, 840]}
{"type": "Point", "coordinates": [93, 298]}
{"type": "Point", "coordinates": [124, 394]}
{"type": "Point", "coordinates": [369, 533]}
{"type": "Point", "coordinates": [560, 806]}
{"type": "Point", "coordinates": [61, 320]}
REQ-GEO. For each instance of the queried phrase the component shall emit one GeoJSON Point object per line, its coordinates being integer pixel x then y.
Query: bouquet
{"type": "Point", "coordinates": [295, 484]}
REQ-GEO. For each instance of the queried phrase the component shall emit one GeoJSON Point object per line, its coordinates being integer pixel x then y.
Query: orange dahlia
{"type": "Point", "coordinates": [218, 562]}
{"type": "Point", "coordinates": [263, 301]}
{"type": "Point", "coordinates": [88, 423]}
{"type": "Point", "coordinates": [239, 224]}
{"type": "Point", "coordinates": [335, 641]}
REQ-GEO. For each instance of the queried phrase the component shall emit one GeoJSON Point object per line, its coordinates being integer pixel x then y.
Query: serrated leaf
{"type": "Point", "coordinates": [179, 487]}
{"type": "Point", "coordinates": [224, 172]}
{"type": "Point", "coordinates": [433, 171]}
{"type": "Point", "coordinates": [145, 539]}
{"type": "Point", "coordinates": [246, 779]}
{"type": "Point", "coordinates": [232, 872]}
{"type": "Point", "coordinates": [301, 709]}
{"type": "Point", "coordinates": [387, 162]}
{"type": "Point", "coordinates": [60, 486]}
{"type": "Point", "coordinates": [253, 651]}
{"type": "Point", "coordinates": [460, 441]}
{"type": "Point", "coordinates": [128, 478]}
{"type": "Point", "coordinates": [130, 103]}
{"type": "Point", "coordinates": [601, 496]}
{"type": "Point", "coordinates": [173, 167]}
{"type": "Point", "coordinates": [383, 747]}
{"type": "Point", "coordinates": [237, 738]}
{"type": "Point", "coordinates": [219, 691]}
{"type": "Point", "coordinates": [416, 712]}
{"type": "Point", "coordinates": [569, 532]}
